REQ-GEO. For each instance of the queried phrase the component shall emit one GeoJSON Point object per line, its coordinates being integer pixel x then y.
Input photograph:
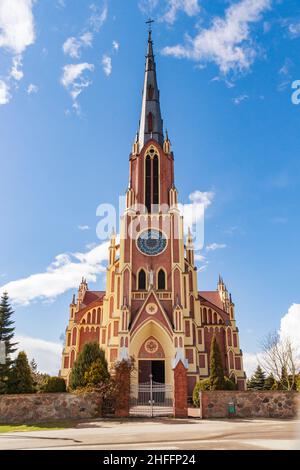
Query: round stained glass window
{"type": "Point", "coordinates": [152, 242]}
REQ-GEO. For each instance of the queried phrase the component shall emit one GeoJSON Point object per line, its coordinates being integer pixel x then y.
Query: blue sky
{"type": "Point", "coordinates": [71, 75]}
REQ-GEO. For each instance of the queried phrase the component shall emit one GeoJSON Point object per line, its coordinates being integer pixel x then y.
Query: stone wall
{"type": "Point", "coordinates": [37, 408]}
{"type": "Point", "coordinates": [250, 404]}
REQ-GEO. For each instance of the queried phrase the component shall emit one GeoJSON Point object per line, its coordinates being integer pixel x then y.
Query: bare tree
{"type": "Point", "coordinates": [279, 358]}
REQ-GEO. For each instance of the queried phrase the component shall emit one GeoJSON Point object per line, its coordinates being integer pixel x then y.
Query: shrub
{"type": "Point", "coordinates": [229, 384]}
{"type": "Point", "coordinates": [202, 385]}
{"type": "Point", "coordinates": [96, 373]}
{"type": "Point", "coordinates": [54, 385]}
{"type": "Point", "coordinates": [20, 378]}
{"type": "Point", "coordinates": [90, 354]}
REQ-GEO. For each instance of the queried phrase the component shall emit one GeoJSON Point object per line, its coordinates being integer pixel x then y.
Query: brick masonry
{"type": "Point", "coordinates": [37, 408]}
{"type": "Point", "coordinates": [123, 391]}
{"type": "Point", "coordinates": [250, 404]}
{"type": "Point", "coordinates": [180, 391]}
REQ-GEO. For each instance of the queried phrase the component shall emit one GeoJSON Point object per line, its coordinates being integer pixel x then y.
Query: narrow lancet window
{"type": "Point", "coordinates": [142, 280]}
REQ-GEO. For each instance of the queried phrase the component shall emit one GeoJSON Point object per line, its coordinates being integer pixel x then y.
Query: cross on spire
{"type": "Point", "coordinates": [149, 23]}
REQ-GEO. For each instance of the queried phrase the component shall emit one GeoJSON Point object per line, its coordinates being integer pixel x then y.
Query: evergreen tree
{"type": "Point", "coordinates": [217, 381]}
{"type": "Point", "coordinates": [6, 336]}
{"type": "Point", "coordinates": [90, 354]}
{"type": "Point", "coordinates": [257, 381]}
{"type": "Point", "coordinates": [20, 379]}
{"type": "Point", "coordinates": [33, 366]}
{"type": "Point", "coordinates": [97, 373]}
{"type": "Point", "coordinates": [270, 382]}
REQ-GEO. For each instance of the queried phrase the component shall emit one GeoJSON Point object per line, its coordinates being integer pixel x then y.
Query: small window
{"type": "Point", "coordinates": [150, 92]}
{"type": "Point", "coordinates": [150, 122]}
{"type": "Point", "coordinates": [142, 280]}
{"type": "Point", "coordinates": [161, 281]}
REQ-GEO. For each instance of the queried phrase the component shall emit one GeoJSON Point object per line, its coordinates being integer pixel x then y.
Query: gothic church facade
{"type": "Point", "coordinates": [152, 308]}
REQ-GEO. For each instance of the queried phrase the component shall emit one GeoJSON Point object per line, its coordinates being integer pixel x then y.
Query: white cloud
{"type": "Point", "coordinates": [193, 214]}
{"type": "Point", "coordinates": [251, 362]}
{"type": "Point", "coordinates": [190, 7]}
{"type": "Point", "coordinates": [16, 72]}
{"type": "Point", "coordinates": [98, 17]}
{"type": "Point", "coordinates": [290, 327]}
{"type": "Point", "coordinates": [199, 257]}
{"type": "Point", "coordinates": [83, 227]}
{"type": "Point", "coordinates": [286, 67]}
{"type": "Point", "coordinates": [171, 8]}
{"type": "Point", "coordinates": [227, 42]}
{"type": "Point", "coordinates": [16, 34]}
{"type": "Point", "coordinates": [32, 89]}
{"type": "Point", "coordinates": [116, 45]}
{"type": "Point", "coordinates": [294, 30]}
{"type": "Point", "coordinates": [215, 246]}
{"type": "Point", "coordinates": [16, 25]}
{"type": "Point", "coordinates": [107, 65]}
{"type": "Point", "coordinates": [64, 273]}
{"type": "Point", "coordinates": [74, 80]}
{"type": "Point", "coordinates": [47, 354]}
{"type": "Point", "coordinates": [72, 46]}
{"type": "Point", "coordinates": [72, 72]}
{"type": "Point", "coordinates": [200, 197]}
{"type": "Point", "coordinates": [4, 93]}
{"type": "Point", "coordinates": [239, 99]}
{"type": "Point", "coordinates": [147, 6]}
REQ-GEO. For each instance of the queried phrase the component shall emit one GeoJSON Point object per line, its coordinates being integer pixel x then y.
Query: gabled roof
{"type": "Point", "coordinates": [212, 296]}
{"type": "Point", "coordinates": [160, 317]}
{"type": "Point", "coordinates": [211, 299]}
{"type": "Point", "coordinates": [92, 296]}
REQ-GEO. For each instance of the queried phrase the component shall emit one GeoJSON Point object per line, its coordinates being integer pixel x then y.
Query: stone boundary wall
{"type": "Point", "coordinates": [46, 407]}
{"type": "Point", "coordinates": [250, 404]}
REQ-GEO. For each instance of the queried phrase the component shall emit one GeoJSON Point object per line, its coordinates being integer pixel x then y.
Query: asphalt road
{"type": "Point", "coordinates": [163, 433]}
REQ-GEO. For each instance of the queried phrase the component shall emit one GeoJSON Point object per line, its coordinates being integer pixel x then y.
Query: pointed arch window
{"type": "Point", "coordinates": [148, 184]}
{"type": "Point", "coordinates": [152, 180]}
{"type": "Point", "coordinates": [161, 280]}
{"type": "Point", "coordinates": [142, 280]}
{"type": "Point", "coordinates": [155, 180]}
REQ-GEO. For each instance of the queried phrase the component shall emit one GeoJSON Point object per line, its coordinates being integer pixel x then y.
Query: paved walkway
{"type": "Point", "coordinates": [162, 434]}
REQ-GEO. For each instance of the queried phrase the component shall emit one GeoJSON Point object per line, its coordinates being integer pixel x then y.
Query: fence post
{"type": "Point", "coordinates": [180, 390]}
{"type": "Point", "coordinates": [122, 378]}
{"type": "Point", "coordinates": [200, 405]}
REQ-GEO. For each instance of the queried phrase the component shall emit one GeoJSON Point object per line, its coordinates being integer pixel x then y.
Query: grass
{"type": "Point", "coordinates": [4, 428]}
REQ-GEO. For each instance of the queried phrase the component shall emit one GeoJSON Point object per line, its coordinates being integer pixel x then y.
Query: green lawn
{"type": "Point", "coordinates": [36, 427]}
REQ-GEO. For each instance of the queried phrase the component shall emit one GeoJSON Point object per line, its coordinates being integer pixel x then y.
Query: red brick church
{"type": "Point", "coordinates": [152, 308]}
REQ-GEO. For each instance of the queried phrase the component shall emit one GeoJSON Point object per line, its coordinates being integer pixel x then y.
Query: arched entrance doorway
{"type": "Point", "coordinates": [151, 362]}
{"type": "Point", "coordinates": [152, 390]}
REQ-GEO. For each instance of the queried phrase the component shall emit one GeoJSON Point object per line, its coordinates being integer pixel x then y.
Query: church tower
{"type": "Point", "coordinates": [152, 309]}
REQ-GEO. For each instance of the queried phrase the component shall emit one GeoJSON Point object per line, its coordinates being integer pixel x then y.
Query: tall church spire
{"type": "Point", "coordinates": [151, 124]}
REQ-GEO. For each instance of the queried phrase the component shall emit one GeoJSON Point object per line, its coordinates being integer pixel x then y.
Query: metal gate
{"type": "Point", "coordinates": [151, 399]}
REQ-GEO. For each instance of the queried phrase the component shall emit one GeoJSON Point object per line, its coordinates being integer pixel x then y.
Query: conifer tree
{"type": "Point", "coordinates": [20, 378]}
{"type": "Point", "coordinates": [270, 382]}
{"type": "Point", "coordinates": [217, 381]}
{"type": "Point", "coordinates": [33, 366]}
{"type": "Point", "coordinates": [6, 339]}
{"type": "Point", "coordinates": [90, 354]}
{"type": "Point", "coordinates": [257, 381]}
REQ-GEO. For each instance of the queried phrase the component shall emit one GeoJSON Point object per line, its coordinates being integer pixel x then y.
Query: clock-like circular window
{"type": "Point", "coordinates": [151, 242]}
